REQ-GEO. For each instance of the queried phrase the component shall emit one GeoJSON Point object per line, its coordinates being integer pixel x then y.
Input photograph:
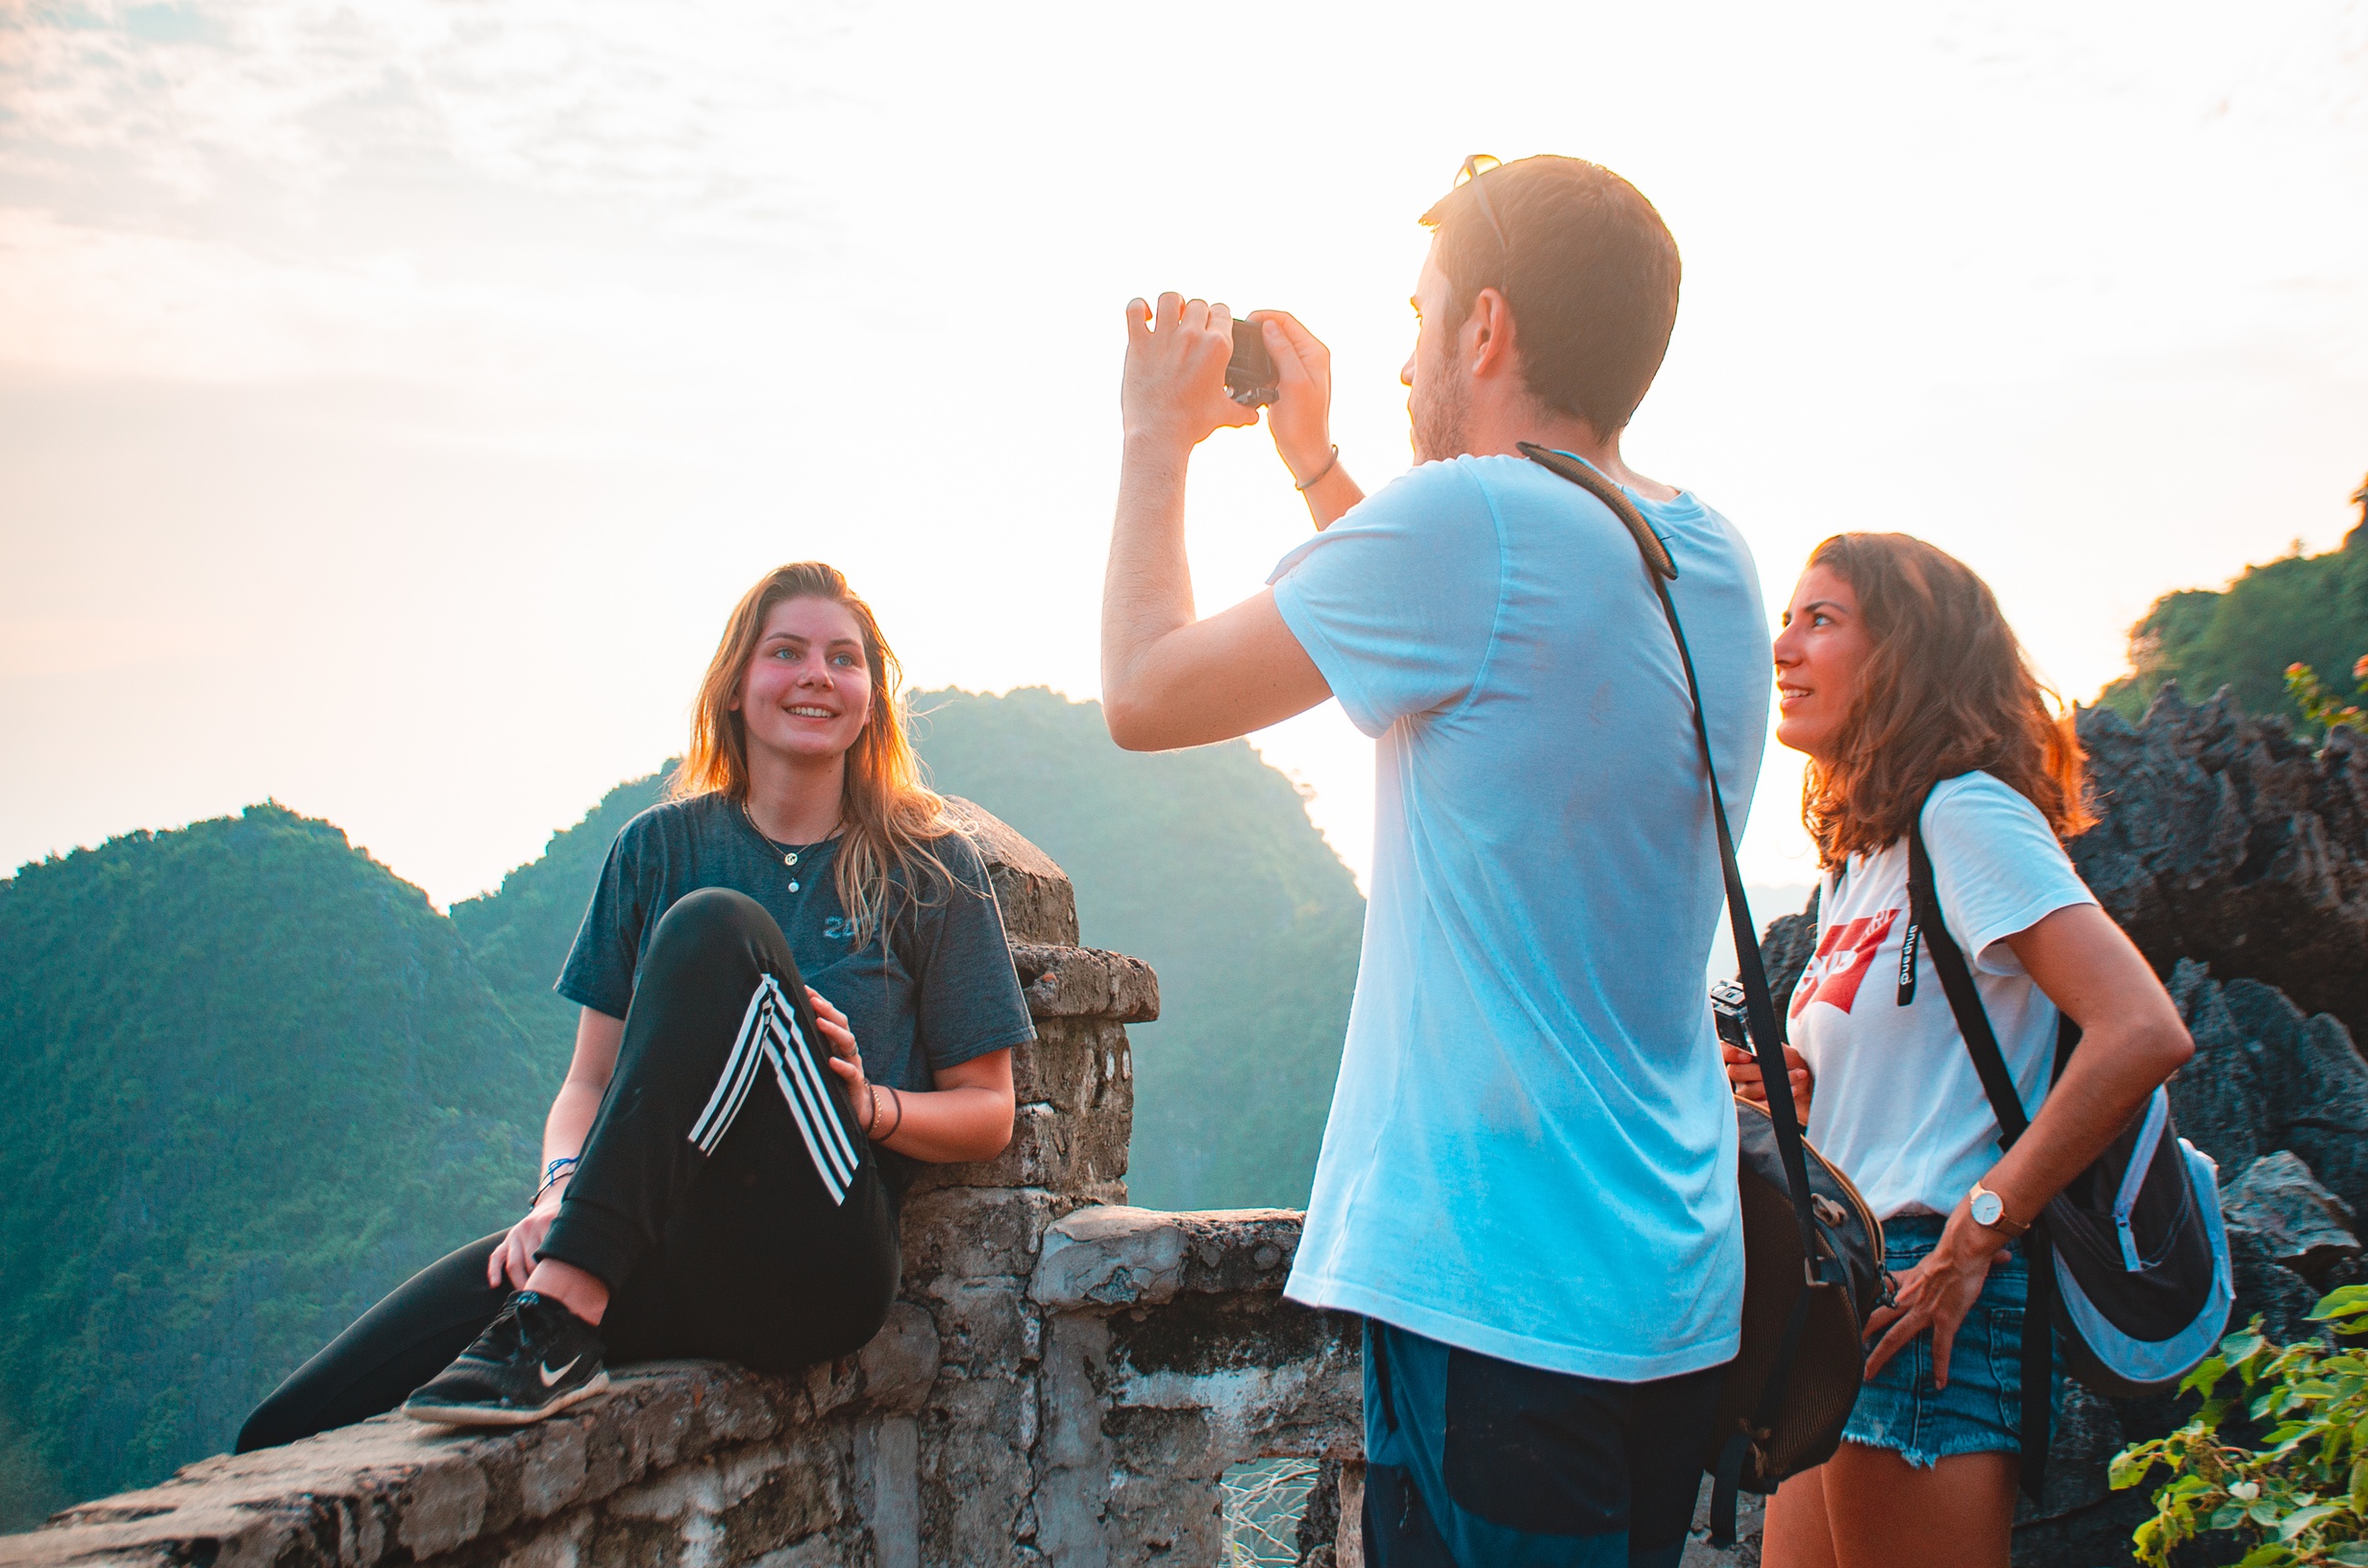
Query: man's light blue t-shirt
{"type": "Point", "coordinates": [1531, 1151]}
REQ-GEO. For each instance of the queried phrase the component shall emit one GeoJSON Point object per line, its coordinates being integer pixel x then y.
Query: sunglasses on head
{"type": "Point", "coordinates": [1474, 166]}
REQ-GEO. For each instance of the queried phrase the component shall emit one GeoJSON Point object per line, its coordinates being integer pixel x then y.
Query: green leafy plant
{"type": "Point", "coordinates": [2301, 1497]}
{"type": "Point", "coordinates": [2323, 708]}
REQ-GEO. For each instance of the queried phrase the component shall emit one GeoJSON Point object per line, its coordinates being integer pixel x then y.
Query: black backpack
{"type": "Point", "coordinates": [1812, 1251]}
{"type": "Point", "coordinates": [2130, 1262]}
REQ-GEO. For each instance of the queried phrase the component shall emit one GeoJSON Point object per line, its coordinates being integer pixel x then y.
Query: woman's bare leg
{"type": "Point", "coordinates": [1794, 1534]}
{"type": "Point", "coordinates": [1883, 1511]}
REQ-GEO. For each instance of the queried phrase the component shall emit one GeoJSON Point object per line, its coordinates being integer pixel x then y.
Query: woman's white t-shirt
{"type": "Point", "coordinates": [1896, 1103]}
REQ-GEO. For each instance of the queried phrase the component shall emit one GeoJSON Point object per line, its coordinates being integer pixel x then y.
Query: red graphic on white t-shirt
{"type": "Point", "coordinates": [1843, 955]}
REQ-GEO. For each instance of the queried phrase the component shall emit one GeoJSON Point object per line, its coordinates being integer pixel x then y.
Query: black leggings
{"type": "Point", "coordinates": [726, 1196]}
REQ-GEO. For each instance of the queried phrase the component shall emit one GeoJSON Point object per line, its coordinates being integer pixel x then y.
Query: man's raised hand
{"type": "Point", "coordinates": [1175, 386]}
{"type": "Point", "coordinates": [1301, 418]}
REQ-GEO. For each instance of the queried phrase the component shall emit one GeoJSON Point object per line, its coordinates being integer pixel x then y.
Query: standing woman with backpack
{"type": "Point", "coordinates": [1901, 680]}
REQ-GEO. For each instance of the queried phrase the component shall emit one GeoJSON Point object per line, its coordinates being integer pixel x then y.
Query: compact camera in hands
{"type": "Point", "coordinates": [1249, 375]}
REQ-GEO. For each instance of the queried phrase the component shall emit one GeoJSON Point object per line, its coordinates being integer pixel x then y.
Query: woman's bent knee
{"type": "Point", "coordinates": [710, 914]}
{"type": "Point", "coordinates": [712, 927]}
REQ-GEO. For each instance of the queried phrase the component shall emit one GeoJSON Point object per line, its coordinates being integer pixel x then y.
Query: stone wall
{"type": "Point", "coordinates": [1063, 1381]}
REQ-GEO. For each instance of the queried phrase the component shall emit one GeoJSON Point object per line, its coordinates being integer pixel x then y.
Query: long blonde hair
{"type": "Point", "coordinates": [888, 816]}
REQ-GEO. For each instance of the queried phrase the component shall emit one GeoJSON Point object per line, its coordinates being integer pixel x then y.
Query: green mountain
{"type": "Point", "coordinates": [2310, 609]}
{"type": "Point", "coordinates": [249, 1080]}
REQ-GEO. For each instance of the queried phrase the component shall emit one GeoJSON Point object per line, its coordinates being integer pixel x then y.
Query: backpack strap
{"type": "Point", "coordinates": [1989, 1063]}
{"type": "Point", "coordinates": [1766, 1028]}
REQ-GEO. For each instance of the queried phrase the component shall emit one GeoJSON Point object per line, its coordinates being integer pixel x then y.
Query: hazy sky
{"type": "Point", "coordinates": [393, 398]}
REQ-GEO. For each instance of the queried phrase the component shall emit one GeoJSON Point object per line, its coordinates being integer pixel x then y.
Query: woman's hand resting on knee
{"type": "Point", "coordinates": [514, 1259]}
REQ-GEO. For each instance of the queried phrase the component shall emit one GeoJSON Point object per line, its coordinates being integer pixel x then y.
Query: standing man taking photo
{"type": "Point", "coordinates": [1527, 1186]}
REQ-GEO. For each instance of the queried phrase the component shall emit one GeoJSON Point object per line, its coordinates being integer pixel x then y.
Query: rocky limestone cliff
{"type": "Point", "coordinates": [2225, 841]}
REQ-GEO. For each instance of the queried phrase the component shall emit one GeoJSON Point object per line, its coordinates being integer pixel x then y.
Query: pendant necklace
{"type": "Point", "coordinates": [789, 856]}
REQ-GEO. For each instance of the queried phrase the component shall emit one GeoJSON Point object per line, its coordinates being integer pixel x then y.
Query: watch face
{"type": "Point", "coordinates": [1986, 1208]}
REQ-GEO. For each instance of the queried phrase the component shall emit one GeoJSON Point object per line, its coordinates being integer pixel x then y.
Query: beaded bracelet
{"type": "Point", "coordinates": [551, 1173]}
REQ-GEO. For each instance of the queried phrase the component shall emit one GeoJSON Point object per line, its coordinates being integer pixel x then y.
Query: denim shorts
{"type": "Point", "coordinates": [1981, 1411]}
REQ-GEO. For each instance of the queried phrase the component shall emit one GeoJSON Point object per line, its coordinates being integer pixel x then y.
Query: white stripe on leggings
{"type": "Point", "coordinates": [769, 1034]}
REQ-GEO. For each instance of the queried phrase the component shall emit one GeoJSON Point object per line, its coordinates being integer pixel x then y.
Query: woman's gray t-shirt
{"type": "Point", "coordinates": [936, 991]}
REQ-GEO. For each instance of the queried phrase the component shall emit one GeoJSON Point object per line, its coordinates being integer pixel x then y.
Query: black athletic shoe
{"type": "Point", "coordinates": [534, 1358]}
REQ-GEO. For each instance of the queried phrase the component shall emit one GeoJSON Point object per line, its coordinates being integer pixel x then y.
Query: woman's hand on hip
{"type": "Point", "coordinates": [514, 1259]}
{"type": "Point", "coordinates": [1745, 1076]}
{"type": "Point", "coordinates": [845, 1060]}
{"type": "Point", "coordinates": [1937, 1295]}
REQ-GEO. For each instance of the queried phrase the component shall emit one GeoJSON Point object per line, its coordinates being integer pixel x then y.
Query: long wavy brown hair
{"type": "Point", "coordinates": [1946, 688]}
{"type": "Point", "coordinates": [888, 816]}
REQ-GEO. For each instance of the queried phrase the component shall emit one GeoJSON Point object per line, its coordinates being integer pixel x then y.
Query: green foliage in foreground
{"type": "Point", "coordinates": [2301, 1497]}
{"type": "Point", "coordinates": [2308, 609]}
{"type": "Point", "coordinates": [248, 1080]}
{"type": "Point", "coordinates": [2323, 708]}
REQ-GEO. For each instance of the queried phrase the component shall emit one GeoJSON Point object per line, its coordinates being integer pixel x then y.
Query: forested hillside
{"type": "Point", "coordinates": [248, 1080]}
{"type": "Point", "coordinates": [2308, 609]}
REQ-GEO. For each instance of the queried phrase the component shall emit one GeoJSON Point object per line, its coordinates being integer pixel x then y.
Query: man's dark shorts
{"type": "Point", "coordinates": [1473, 1462]}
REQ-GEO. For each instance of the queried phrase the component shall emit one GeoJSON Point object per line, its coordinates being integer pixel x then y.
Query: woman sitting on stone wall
{"type": "Point", "coordinates": [1899, 677]}
{"type": "Point", "coordinates": [793, 980]}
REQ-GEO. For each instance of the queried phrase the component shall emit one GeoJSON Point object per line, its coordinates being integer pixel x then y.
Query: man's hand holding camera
{"type": "Point", "coordinates": [1174, 393]}
{"type": "Point", "coordinates": [1180, 359]}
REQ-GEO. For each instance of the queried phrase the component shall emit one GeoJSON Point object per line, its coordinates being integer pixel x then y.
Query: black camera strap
{"type": "Point", "coordinates": [1767, 1041]}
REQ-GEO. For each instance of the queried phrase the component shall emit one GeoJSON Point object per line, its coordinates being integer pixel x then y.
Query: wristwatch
{"type": "Point", "coordinates": [1989, 1211]}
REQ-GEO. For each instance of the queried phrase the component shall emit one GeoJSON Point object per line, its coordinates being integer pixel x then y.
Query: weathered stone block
{"type": "Point", "coordinates": [1037, 901]}
{"type": "Point", "coordinates": [1086, 982]}
{"type": "Point", "coordinates": [1079, 1067]}
{"type": "Point", "coordinates": [1105, 1257]}
{"type": "Point", "coordinates": [898, 1366]}
{"type": "Point", "coordinates": [1047, 1150]}
{"type": "Point", "coordinates": [779, 1497]}
{"type": "Point", "coordinates": [974, 1232]}
{"type": "Point", "coordinates": [982, 1325]}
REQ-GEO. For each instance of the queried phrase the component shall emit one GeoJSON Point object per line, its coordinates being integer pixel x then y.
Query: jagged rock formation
{"type": "Point", "coordinates": [2225, 841]}
{"type": "Point", "coordinates": [2300, 1224]}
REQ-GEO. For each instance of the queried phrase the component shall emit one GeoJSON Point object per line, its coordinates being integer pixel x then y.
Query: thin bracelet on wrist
{"type": "Point", "coordinates": [1329, 464]}
{"type": "Point", "coordinates": [554, 1173]}
{"type": "Point", "coordinates": [871, 1101]}
{"type": "Point", "coordinates": [897, 1100]}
